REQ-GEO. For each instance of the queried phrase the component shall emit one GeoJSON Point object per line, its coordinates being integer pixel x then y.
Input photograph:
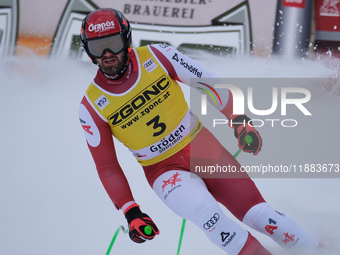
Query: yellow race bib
{"type": "Point", "coordinates": [151, 118]}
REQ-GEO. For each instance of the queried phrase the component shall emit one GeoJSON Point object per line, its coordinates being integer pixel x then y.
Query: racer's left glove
{"type": "Point", "coordinates": [243, 129]}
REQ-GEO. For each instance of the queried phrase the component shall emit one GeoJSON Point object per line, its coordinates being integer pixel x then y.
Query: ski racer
{"type": "Point", "coordinates": [136, 98]}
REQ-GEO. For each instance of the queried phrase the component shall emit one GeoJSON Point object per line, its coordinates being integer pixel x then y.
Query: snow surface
{"type": "Point", "coordinates": [52, 201]}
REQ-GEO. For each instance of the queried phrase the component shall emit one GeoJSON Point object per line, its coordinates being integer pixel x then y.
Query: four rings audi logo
{"type": "Point", "coordinates": [211, 222]}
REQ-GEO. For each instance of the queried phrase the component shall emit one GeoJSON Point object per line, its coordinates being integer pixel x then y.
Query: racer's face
{"type": "Point", "coordinates": [111, 64]}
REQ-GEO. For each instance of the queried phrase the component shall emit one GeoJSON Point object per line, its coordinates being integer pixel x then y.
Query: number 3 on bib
{"type": "Point", "coordinates": [159, 126]}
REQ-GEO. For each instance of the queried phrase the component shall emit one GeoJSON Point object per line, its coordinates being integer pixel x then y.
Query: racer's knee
{"type": "Point", "coordinates": [281, 228]}
{"type": "Point", "coordinates": [184, 193]}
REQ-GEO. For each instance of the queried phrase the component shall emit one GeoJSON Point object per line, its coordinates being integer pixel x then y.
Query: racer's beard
{"type": "Point", "coordinates": [118, 69]}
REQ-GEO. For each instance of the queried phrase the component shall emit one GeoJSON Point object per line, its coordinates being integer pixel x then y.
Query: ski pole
{"type": "Point", "coordinates": [248, 139]}
{"type": "Point", "coordinates": [114, 238]}
{"type": "Point", "coordinates": [181, 236]}
{"type": "Point", "coordinates": [237, 152]}
{"type": "Point", "coordinates": [147, 231]}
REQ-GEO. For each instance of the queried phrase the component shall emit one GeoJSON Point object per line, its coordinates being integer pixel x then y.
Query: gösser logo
{"type": "Point", "coordinates": [238, 104]}
{"type": "Point", "coordinates": [210, 223]}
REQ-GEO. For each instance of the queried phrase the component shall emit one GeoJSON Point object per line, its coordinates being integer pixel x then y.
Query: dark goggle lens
{"type": "Point", "coordinates": [97, 47]}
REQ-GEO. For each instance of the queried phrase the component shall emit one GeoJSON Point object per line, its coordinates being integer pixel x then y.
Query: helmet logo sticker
{"type": "Point", "coordinates": [102, 27]}
{"type": "Point", "coordinates": [125, 22]}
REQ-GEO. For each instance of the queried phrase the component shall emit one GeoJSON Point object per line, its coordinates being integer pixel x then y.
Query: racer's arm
{"type": "Point", "coordinates": [101, 145]}
{"type": "Point", "coordinates": [182, 68]}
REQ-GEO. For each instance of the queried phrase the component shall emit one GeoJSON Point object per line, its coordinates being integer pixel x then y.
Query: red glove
{"type": "Point", "coordinates": [141, 226]}
{"type": "Point", "coordinates": [242, 130]}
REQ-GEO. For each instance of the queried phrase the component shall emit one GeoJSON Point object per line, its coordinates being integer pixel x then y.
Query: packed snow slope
{"type": "Point", "coordinates": [52, 201]}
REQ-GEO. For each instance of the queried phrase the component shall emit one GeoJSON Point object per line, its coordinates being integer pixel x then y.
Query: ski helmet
{"type": "Point", "coordinates": [104, 30]}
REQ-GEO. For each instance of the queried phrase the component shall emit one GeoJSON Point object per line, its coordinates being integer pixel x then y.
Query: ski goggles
{"type": "Point", "coordinates": [98, 47]}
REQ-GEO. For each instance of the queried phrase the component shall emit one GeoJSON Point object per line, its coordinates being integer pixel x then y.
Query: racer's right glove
{"type": "Point", "coordinates": [141, 226]}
